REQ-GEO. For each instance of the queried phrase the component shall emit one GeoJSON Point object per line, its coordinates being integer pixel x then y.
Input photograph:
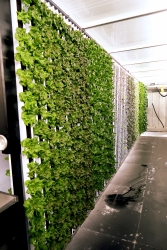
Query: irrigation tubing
{"type": "Point", "coordinates": [157, 115]}
{"type": "Point", "coordinates": [160, 93]}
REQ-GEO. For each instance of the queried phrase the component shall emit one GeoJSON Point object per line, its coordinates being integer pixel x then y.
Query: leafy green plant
{"type": "Point", "coordinates": [68, 101]}
{"type": "Point", "coordinates": [9, 191]}
{"type": "Point", "coordinates": [7, 172]}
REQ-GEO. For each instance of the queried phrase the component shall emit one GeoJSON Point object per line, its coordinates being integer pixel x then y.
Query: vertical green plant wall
{"type": "Point", "coordinates": [142, 108]}
{"type": "Point", "coordinates": [137, 101]}
{"type": "Point", "coordinates": [68, 103]}
{"type": "Point", "coordinates": [131, 112]}
{"type": "Point", "coordinates": [130, 98]}
{"type": "Point", "coordinates": [136, 110]}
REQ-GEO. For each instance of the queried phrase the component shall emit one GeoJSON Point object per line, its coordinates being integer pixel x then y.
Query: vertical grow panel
{"type": "Point", "coordinates": [123, 119]}
{"type": "Point", "coordinates": [68, 102]}
{"type": "Point", "coordinates": [120, 122]}
{"type": "Point", "coordinates": [130, 111]}
{"type": "Point", "coordinates": [143, 103]}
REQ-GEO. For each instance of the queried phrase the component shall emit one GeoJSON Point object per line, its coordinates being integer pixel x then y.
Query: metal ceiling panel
{"type": "Point", "coordinates": [142, 55]}
{"type": "Point", "coordinates": [151, 73]}
{"type": "Point", "coordinates": [153, 79]}
{"type": "Point", "coordinates": [131, 34]}
{"type": "Point", "coordinates": [148, 66]}
{"type": "Point", "coordinates": [94, 12]}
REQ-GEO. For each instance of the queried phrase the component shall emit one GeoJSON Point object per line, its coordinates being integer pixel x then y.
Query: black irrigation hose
{"type": "Point", "coordinates": [157, 115]}
{"type": "Point", "coordinates": [160, 93]}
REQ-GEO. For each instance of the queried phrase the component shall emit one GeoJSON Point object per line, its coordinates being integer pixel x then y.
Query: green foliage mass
{"type": "Point", "coordinates": [142, 107]}
{"type": "Point", "coordinates": [136, 110]}
{"type": "Point", "coordinates": [132, 110]}
{"type": "Point", "coordinates": [136, 130]}
{"type": "Point", "coordinates": [68, 101]}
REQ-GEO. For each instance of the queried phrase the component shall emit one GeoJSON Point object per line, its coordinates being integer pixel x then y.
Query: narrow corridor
{"type": "Point", "coordinates": [132, 211]}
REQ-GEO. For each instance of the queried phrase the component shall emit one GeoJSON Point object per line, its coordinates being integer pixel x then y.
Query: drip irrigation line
{"type": "Point", "coordinates": [157, 115]}
{"type": "Point", "coordinates": [160, 93]}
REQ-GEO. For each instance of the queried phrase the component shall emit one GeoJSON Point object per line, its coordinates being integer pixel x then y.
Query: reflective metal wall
{"type": "Point", "coordinates": [157, 110]}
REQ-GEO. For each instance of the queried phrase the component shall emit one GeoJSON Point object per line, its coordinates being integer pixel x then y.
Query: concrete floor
{"type": "Point", "coordinates": [132, 211]}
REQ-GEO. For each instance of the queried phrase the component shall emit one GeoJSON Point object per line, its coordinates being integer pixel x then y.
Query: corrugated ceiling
{"type": "Point", "coordinates": [132, 31]}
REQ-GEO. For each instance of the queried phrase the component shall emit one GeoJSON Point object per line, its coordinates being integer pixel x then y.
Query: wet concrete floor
{"type": "Point", "coordinates": [132, 211]}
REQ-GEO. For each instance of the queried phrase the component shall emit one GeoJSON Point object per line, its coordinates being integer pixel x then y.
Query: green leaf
{"type": "Point", "coordinates": [7, 172]}
{"type": "Point", "coordinates": [10, 191]}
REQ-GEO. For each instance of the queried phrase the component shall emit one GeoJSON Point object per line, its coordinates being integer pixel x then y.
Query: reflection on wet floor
{"type": "Point", "coordinates": [132, 211]}
{"type": "Point", "coordinates": [122, 200]}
